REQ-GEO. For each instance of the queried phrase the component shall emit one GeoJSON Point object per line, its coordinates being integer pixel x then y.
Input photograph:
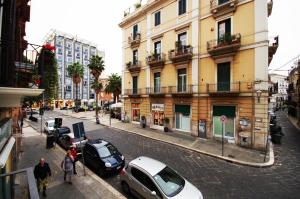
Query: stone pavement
{"type": "Point", "coordinates": [233, 153]}
{"type": "Point", "coordinates": [89, 186]}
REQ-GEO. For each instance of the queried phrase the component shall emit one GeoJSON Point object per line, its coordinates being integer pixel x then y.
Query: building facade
{"type": "Point", "coordinates": [69, 50]}
{"type": "Point", "coordinates": [193, 61]}
{"type": "Point", "coordinates": [277, 90]}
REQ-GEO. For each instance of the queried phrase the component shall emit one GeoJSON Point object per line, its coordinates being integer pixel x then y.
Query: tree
{"type": "Point", "coordinates": [96, 67]}
{"type": "Point", "coordinates": [97, 86]}
{"type": "Point", "coordinates": [47, 71]}
{"type": "Point", "coordinates": [75, 71]}
{"type": "Point", "coordinates": [114, 85]}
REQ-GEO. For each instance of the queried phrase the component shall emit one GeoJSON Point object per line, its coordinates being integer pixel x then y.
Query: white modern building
{"type": "Point", "coordinates": [69, 50]}
{"type": "Point", "coordinates": [278, 90]}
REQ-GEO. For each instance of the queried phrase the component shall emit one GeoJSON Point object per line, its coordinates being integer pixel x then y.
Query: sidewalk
{"type": "Point", "coordinates": [89, 186]}
{"type": "Point", "coordinates": [232, 152]}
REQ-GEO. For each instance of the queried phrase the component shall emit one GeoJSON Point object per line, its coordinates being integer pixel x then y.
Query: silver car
{"type": "Point", "coordinates": [149, 178]}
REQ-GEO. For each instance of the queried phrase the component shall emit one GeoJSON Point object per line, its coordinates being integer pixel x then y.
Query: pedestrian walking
{"type": "Point", "coordinates": [41, 173]}
{"type": "Point", "coordinates": [67, 166]}
{"type": "Point", "coordinates": [75, 158]}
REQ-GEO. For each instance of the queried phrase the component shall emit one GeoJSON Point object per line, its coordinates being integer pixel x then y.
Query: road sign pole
{"type": "Point", "coordinates": [80, 136]}
{"type": "Point", "coordinates": [222, 139]}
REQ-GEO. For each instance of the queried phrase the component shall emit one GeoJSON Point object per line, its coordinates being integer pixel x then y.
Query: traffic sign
{"type": "Point", "coordinates": [223, 118]}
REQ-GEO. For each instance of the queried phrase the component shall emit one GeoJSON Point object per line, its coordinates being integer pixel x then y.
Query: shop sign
{"type": "Point", "coordinates": [158, 107]}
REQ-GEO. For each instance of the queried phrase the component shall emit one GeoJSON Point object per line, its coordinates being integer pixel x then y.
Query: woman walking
{"type": "Point", "coordinates": [67, 166]}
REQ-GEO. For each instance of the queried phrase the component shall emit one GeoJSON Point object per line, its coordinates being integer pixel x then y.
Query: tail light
{"type": "Point", "coordinates": [122, 172]}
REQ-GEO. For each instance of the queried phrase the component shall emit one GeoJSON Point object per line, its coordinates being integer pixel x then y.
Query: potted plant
{"type": "Point", "coordinates": [143, 121]}
{"type": "Point", "coordinates": [166, 124]}
{"type": "Point", "coordinates": [137, 5]}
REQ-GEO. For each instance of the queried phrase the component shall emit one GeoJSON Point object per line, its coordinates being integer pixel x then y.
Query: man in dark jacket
{"type": "Point", "coordinates": [41, 173]}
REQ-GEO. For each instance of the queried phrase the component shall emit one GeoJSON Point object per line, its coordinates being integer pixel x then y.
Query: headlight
{"type": "Point", "coordinates": [107, 164]}
{"type": "Point", "coordinates": [122, 157]}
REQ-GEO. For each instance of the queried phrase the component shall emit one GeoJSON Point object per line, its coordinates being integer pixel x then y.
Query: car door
{"type": "Point", "coordinates": [143, 185]}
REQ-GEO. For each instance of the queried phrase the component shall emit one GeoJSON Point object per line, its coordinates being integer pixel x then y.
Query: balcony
{"type": "Point", "coordinates": [134, 67]}
{"type": "Point", "coordinates": [270, 7]}
{"type": "Point", "coordinates": [222, 89]}
{"type": "Point", "coordinates": [273, 45]}
{"type": "Point", "coordinates": [135, 93]}
{"type": "Point", "coordinates": [25, 180]}
{"type": "Point", "coordinates": [157, 91]}
{"type": "Point", "coordinates": [156, 60]}
{"type": "Point", "coordinates": [134, 40]}
{"type": "Point", "coordinates": [181, 54]}
{"type": "Point", "coordinates": [225, 46]}
{"type": "Point", "coordinates": [181, 91]}
{"type": "Point", "coordinates": [218, 9]}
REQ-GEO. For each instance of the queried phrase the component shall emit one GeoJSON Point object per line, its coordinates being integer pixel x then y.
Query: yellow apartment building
{"type": "Point", "coordinates": [194, 61]}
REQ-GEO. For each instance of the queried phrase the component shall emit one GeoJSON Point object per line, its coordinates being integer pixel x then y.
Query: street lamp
{"type": "Point", "coordinates": [258, 93]}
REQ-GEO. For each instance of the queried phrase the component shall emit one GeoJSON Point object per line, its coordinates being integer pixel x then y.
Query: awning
{"type": "Point", "coordinates": [6, 151]}
{"type": "Point", "coordinates": [228, 111]}
{"type": "Point", "coordinates": [184, 109]}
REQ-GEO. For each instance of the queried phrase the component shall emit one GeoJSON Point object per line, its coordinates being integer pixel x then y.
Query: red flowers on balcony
{"type": "Point", "coordinates": [49, 47]}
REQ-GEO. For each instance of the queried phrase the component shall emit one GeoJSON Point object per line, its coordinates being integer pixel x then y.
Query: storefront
{"type": "Point", "coordinates": [136, 112]}
{"type": "Point", "coordinates": [183, 117]}
{"type": "Point", "coordinates": [229, 128]}
{"type": "Point", "coordinates": [158, 115]}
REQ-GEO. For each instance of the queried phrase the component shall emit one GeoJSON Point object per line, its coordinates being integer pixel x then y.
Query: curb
{"type": "Point", "coordinates": [89, 172]}
{"type": "Point", "coordinates": [270, 162]}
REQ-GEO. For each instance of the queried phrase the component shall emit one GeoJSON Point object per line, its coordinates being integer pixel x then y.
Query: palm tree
{"type": "Point", "coordinates": [76, 72]}
{"type": "Point", "coordinates": [96, 67]}
{"type": "Point", "coordinates": [114, 85]}
{"type": "Point", "coordinates": [97, 86]}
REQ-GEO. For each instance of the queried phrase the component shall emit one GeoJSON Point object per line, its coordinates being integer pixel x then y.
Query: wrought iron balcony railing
{"type": "Point", "coordinates": [224, 88]}
{"type": "Point", "coordinates": [224, 46]}
{"type": "Point", "coordinates": [182, 53]}
{"type": "Point", "coordinates": [134, 40]}
{"type": "Point", "coordinates": [156, 60]}
{"type": "Point", "coordinates": [273, 45]}
{"type": "Point", "coordinates": [181, 90]}
{"type": "Point", "coordinates": [134, 66]}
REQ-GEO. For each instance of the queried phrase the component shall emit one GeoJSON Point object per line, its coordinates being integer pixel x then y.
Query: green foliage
{"type": "Point", "coordinates": [96, 66]}
{"type": "Point", "coordinates": [97, 86]}
{"type": "Point", "coordinates": [47, 67]}
{"type": "Point", "coordinates": [114, 85]}
{"type": "Point", "coordinates": [75, 70]}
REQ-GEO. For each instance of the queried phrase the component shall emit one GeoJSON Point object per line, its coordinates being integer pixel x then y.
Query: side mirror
{"type": "Point", "coordinates": [153, 193]}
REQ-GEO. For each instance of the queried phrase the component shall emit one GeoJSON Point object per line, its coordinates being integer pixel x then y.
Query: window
{"type": "Point", "coordinates": [134, 85]}
{"type": "Point", "coordinates": [156, 82]}
{"type": "Point", "coordinates": [136, 112]}
{"type": "Point", "coordinates": [135, 57]}
{"type": "Point", "coordinates": [107, 151]}
{"type": "Point", "coordinates": [223, 76]}
{"type": "Point", "coordinates": [181, 79]}
{"type": "Point", "coordinates": [181, 7]}
{"type": "Point", "coordinates": [59, 51]}
{"type": "Point", "coordinates": [223, 1]}
{"type": "Point", "coordinates": [182, 39]}
{"type": "Point", "coordinates": [68, 88]}
{"type": "Point", "coordinates": [135, 31]}
{"type": "Point", "coordinates": [157, 48]}
{"type": "Point", "coordinates": [224, 30]}
{"type": "Point", "coordinates": [157, 18]}
{"type": "Point", "coordinates": [145, 180]}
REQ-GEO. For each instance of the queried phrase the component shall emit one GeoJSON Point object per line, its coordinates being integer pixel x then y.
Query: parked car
{"type": "Point", "coordinates": [49, 126]}
{"type": "Point", "coordinates": [91, 108]}
{"type": "Point", "coordinates": [149, 178]}
{"type": "Point", "coordinates": [62, 131]}
{"type": "Point", "coordinates": [103, 157]}
{"type": "Point", "coordinates": [68, 140]}
{"type": "Point", "coordinates": [64, 108]}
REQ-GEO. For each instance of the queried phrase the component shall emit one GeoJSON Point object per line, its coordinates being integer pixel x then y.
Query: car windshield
{"type": "Point", "coordinates": [50, 124]}
{"type": "Point", "coordinates": [107, 151]}
{"type": "Point", "coordinates": [169, 181]}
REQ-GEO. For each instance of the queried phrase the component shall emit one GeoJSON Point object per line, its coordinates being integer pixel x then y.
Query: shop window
{"type": "Point", "coordinates": [136, 112]}
{"type": "Point", "coordinates": [158, 114]}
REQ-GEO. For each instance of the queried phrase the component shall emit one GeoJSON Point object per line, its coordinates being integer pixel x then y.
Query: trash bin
{"type": "Point", "coordinates": [50, 141]}
{"type": "Point", "coordinates": [276, 138]}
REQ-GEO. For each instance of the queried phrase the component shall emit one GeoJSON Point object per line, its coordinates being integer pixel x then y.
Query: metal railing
{"type": "Point", "coordinates": [133, 65]}
{"type": "Point", "coordinates": [181, 51]}
{"type": "Point", "coordinates": [184, 89]}
{"type": "Point", "coordinates": [27, 188]}
{"type": "Point", "coordinates": [134, 39]}
{"type": "Point", "coordinates": [226, 40]}
{"type": "Point", "coordinates": [157, 90]}
{"type": "Point", "coordinates": [155, 58]}
{"type": "Point", "coordinates": [224, 87]}
{"type": "Point", "coordinates": [18, 63]}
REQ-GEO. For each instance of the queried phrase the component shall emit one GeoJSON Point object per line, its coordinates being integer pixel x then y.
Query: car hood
{"type": "Point", "coordinates": [188, 191]}
{"type": "Point", "coordinates": [51, 128]}
{"type": "Point", "coordinates": [114, 160]}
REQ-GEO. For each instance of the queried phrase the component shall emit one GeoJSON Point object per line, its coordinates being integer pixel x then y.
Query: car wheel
{"type": "Point", "coordinates": [101, 172]}
{"type": "Point", "coordinates": [125, 187]}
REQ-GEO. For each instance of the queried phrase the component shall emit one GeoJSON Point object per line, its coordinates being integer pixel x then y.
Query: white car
{"type": "Point", "coordinates": [49, 126]}
{"type": "Point", "coordinates": [149, 178]}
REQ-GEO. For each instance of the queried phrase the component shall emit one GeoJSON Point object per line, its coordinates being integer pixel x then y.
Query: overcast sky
{"type": "Point", "coordinates": [97, 21]}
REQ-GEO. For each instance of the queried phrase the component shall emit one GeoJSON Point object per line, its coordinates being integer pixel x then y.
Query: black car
{"type": "Point", "coordinates": [61, 131]}
{"type": "Point", "coordinates": [103, 157]}
{"type": "Point", "coordinates": [64, 108]}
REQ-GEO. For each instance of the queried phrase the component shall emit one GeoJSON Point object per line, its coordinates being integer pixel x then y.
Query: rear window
{"type": "Point", "coordinates": [51, 124]}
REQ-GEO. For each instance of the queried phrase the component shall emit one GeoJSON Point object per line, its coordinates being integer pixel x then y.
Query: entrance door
{"type": "Point", "coordinates": [223, 76]}
{"type": "Point", "coordinates": [182, 117]}
{"type": "Point", "coordinates": [229, 112]}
